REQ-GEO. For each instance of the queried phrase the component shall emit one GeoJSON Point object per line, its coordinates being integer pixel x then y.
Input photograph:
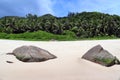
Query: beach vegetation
{"type": "Point", "coordinates": [74, 26]}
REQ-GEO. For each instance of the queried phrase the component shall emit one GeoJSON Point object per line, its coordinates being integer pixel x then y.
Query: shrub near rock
{"type": "Point", "coordinates": [98, 55]}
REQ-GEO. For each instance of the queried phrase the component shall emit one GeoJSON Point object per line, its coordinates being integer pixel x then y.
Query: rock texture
{"type": "Point", "coordinates": [9, 61]}
{"type": "Point", "coordinates": [32, 54]}
{"type": "Point", "coordinates": [98, 55]}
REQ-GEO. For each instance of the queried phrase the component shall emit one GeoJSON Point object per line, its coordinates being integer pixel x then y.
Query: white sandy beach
{"type": "Point", "coordinates": [68, 65]}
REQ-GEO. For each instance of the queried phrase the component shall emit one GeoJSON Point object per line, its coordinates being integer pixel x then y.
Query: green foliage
{"type": "Point", "coordinates": [77, 25]}
{"type": "Point", "coordinates": [102, 37]}
{"type": "Point", "coordinates": [69, 33]}
{"type": "Point", "coordinates": [38, 35]}
{"type": "Point", "coordinates": [104, 60]}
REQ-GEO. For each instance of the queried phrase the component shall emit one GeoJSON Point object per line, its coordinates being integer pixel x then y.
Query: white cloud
{"type": "Point", "coordinates": [45, 6]}
{"type": "Point", "coordinates": [105, 6]}
{"type": "Point", "coordinates": [23, 7]}
{"type": "Point", "coordinates": [57, 7]}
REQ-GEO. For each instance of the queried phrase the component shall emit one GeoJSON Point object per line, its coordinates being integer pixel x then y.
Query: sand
{"type": "Point", "coordinates": [68, 65]}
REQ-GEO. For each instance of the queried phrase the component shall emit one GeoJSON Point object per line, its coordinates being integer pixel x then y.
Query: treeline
{"type": "Point", "coordinates": [83, 25]}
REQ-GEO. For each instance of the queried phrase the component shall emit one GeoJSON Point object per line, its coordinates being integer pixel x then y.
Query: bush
{"type": "Point", "coordinates": [38, 35]}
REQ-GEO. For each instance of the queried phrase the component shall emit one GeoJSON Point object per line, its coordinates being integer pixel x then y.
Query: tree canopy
{"type": "Point", "coordinates": [84, 25]}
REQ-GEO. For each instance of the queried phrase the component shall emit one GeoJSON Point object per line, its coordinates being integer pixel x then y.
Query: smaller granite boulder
{"type": "Point", "coordinates": [32, 54]}
{"type": "Point", "coordinates": [98, 55]}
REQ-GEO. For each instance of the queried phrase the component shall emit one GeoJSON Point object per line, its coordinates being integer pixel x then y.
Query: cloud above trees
{"type": "Point", "coordinates": [56, 7]}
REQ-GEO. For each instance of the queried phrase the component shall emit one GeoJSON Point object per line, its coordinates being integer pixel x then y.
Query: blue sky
{"type": "Point", "coordinates": [57, 7]}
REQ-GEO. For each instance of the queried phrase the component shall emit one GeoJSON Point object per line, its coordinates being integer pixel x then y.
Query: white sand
{"type": "Point", "coordinates": [68, 65]}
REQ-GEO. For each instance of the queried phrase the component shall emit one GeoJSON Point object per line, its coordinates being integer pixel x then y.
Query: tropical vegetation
{"type": "Point", "coordinates": [73, 26]}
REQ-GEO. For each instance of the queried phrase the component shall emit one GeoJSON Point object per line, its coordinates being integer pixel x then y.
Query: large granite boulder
{"type": "Point", "coordinates": [32, 54]}
{"type": "Point", "coordinates": [98, 55]}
